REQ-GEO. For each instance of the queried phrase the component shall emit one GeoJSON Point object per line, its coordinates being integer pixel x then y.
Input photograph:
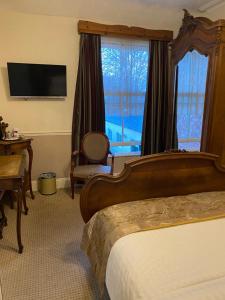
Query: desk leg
{"type": "Point", "coordinates": [24, 198]}
{"type": "Point", "coordinates": [30, 153]}
{"type": "Point", "coordinates": [19, 197]}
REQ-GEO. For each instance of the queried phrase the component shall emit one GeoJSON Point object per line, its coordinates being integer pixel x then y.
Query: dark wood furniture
{"type": "Point", "coordinates": [208, 38]}
{"type": "Point", "coordinates": [93, 154]}
{"type": "Point", "coordinates": [124, 31]}
{"type": "Point", "coordinates": [159, 175]}
{"type": "Point", "coordinates": [12, 179]}
{"type": "Point", "coordinates": [12, 147]}
{"type": "Point", "coordinates": [3, 219]}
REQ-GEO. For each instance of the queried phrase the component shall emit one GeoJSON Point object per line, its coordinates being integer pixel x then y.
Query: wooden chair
{"type": "Point", "coordinates": [95, 151]}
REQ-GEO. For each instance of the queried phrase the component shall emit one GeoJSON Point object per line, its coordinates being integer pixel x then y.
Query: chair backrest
{"type": "Point", "coordinates": [95, 146]}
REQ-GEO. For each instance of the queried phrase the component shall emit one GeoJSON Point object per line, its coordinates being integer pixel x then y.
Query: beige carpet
{"type": "Point", "coordinates": [52, 265]}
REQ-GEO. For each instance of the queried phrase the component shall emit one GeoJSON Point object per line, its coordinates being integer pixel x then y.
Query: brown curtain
{"type": "Point", "coordinates": [172, 136]}
{"type": "Point", "coordinates": [155, 123]}
{"type": "Point", "coordinates": [89, 107]}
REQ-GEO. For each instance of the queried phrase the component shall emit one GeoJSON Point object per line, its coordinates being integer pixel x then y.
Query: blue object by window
{"type": "Point", "coordinates": [124, 64]}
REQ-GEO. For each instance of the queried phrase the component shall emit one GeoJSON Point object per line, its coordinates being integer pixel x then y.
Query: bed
{"type": "Point", "coordinates": [156, 231]}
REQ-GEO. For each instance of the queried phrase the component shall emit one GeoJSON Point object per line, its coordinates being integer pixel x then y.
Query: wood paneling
{"type": "Point", "coordinates": [124, 31]}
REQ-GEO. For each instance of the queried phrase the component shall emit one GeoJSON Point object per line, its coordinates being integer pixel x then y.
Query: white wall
{"type": "Point", "coordinates": [35, 38]}
{"type": "Point", "coordinates": [54, 40]}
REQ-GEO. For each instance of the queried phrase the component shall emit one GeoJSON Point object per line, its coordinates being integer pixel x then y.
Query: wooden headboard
{"type": "Point", "coordinates": [160, 175]}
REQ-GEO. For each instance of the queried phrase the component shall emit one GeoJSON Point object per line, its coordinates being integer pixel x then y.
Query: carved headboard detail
{"type": "Point", "coordinates": [159, 175]}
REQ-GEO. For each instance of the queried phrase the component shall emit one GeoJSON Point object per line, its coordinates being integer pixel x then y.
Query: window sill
{"type": "Point", "coordinates": [126, 154]}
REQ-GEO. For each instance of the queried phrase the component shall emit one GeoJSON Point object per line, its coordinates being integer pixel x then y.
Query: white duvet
{"type": "Point", "coordinates": [185, 262]}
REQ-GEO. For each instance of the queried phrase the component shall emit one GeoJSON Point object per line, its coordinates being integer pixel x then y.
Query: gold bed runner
{"type": "Point", "coordinates": [114, 222]}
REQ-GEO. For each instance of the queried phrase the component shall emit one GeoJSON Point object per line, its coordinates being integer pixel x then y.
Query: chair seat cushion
{"type": "Point", "coordinates": [86, 171]}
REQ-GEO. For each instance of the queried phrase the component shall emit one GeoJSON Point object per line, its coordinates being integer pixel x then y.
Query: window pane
{"type": "Point", "coordinates": [125, 64]}
{"type": "Point", "coordinates": [192, 75]}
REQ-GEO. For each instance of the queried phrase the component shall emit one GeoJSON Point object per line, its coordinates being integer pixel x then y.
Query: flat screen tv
{"type": "Point", "coordinates": [37, 80]}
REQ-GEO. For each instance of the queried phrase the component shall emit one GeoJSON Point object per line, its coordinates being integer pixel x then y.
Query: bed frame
{"type": "Point", "coordinates": [160, 175]}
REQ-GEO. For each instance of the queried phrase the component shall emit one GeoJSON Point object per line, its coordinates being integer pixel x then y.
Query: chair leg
{"type": "Point", "coordinates": [3, 220]}
{"type": "Point", "coordinates": [72, 182]}
{"type": "Point", "coordinates": [12, 198]}
{"type": "Point", "coordinates": [3, 214]}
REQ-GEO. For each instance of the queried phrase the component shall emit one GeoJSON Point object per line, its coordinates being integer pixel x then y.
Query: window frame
{"type": "Point", "coordinates": [121, 42]}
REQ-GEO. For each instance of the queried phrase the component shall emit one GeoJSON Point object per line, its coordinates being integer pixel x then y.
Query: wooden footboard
{"type": "Point", "coordinates": [160, 175]}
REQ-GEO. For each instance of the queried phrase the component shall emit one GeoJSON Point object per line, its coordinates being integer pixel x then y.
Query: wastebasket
{"type": "Point", "coordinates": [47, 183]}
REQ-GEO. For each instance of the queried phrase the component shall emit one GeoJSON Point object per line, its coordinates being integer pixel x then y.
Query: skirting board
{"type": "Point", "coordinates": [60, 184]}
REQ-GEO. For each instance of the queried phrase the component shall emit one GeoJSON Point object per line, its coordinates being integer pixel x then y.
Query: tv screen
{"type": "Point", "coordinates": [36, 80]}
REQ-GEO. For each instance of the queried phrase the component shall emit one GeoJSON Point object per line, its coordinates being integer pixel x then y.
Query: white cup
{"type": "Point", "coordinates": [15, 133]}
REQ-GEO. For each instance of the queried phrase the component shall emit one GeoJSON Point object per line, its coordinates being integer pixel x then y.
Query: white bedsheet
{"type": "Point", "coordinates": [184, 262]}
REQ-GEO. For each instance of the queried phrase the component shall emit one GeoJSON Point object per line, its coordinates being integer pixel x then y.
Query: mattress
{"type": "Point", "coordinates": [185, 262]}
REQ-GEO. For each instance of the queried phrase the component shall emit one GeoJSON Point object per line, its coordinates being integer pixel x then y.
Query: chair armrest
{"type": "Point", "coordinates": [74, 155]}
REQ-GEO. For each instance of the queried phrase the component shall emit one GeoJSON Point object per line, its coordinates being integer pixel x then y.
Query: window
{"type": "Point", "coordinates": [192, 75]}
{"type": "Point", "coordinates": [125, 65]}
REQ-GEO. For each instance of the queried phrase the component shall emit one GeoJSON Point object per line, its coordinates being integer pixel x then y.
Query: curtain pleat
{"type": "Point", "coordinates": [171, 134]}
{"type": "Point", "coordinates": [154, 134]}
{"type": "Point", "coordinates": [89, 108]}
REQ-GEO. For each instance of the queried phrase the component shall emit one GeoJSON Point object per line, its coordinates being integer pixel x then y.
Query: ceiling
{"type": "Point", "coordinates": [73, 7]}
{"type": "Point", "coordinates": [188, 4]}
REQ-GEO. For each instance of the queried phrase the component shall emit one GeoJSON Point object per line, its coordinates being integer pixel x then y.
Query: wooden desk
{"type": "Point", "coordinates": [11, 147]}
{"type": "Point", "coordinates": [11, 178]}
